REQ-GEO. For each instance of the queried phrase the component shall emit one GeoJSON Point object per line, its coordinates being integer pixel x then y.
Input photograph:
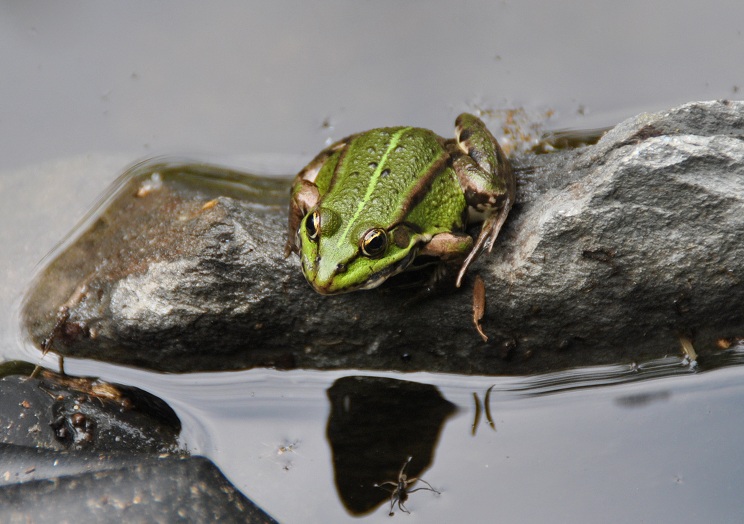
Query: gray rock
{"type": "Point", "coordinates": [644, 247]}
{"type": "Point", "coordinates": [611, 254]}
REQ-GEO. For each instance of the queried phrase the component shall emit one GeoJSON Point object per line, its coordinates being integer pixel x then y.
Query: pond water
{"type": "Point", "coordinates": [90, 88]}
{"type": "Point", "coordinates": [649, 443]}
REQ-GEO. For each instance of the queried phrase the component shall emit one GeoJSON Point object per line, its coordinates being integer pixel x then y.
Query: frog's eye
{"type": "Point", "coordinates": [312, 225]}
{"type": "Point", "coordinates": [374, 242]}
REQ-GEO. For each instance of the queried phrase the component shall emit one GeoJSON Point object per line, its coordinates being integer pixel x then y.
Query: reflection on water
{"type": "Point", "coordinates": [640, 400]}
{"type": "Point", "coordinates": [375, 425]}
{"type": "Point", "coordinates": [483, 407]}
{"type": "Point", "coordinates": [593, 377]}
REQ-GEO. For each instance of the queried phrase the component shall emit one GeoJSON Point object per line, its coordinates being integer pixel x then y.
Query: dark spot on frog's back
{"type": "Point", "coordinates": [385, 172]}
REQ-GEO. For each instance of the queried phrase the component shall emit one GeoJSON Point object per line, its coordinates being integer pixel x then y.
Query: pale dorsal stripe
{"type": "Point", "coordinates": [373, 182]}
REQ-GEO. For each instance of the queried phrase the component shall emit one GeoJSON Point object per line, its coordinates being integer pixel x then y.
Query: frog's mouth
{"type": "Point", "coordinates": [382, 275]}
{"type": "Point", "coordinates": [374, 280]}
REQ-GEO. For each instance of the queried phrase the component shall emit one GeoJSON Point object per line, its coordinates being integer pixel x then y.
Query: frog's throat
{"type": "Point", "coordinates": [373, 182]}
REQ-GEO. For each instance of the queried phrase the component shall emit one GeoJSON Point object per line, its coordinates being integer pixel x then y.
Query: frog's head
{"type": "Point", "coordinates": [337, 258]}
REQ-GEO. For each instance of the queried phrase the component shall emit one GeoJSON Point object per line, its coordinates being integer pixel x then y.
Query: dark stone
{"type": "Point", "coordinates": [79, 449]}
{"type": "Point", "coordinates": [611, 254]}
{"type": "Point", "coordinates": [121, 488]}
{"type": "Point", "coordinates": [60, 412]}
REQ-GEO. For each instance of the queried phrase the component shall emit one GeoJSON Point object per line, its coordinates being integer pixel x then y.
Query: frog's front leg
{"type": "Point", "coordinates": [486, 179]}
{"type": "Point", "coordinates": [449, 249]}
{"type": "Point", "coordinates": [447, 246]}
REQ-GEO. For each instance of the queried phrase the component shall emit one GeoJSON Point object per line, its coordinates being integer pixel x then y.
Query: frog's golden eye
{"type": "Point", "coordinates": [373, 242]}
{"type": "Point", "coordinates": [312, 225]}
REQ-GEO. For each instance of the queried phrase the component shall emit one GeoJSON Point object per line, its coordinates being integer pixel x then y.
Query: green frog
{"type": "Point", "coordinates": [373, 204]}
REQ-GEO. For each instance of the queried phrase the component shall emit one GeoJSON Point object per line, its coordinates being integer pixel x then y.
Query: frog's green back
{"type": "Point", "coordinates": [389, 175]}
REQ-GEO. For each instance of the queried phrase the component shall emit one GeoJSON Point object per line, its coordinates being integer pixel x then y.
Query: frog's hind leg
{"type": "Point", "coordinates": [486, 179]}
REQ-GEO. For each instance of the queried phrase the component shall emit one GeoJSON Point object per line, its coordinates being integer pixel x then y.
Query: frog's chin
{"type": "Point", "coordinates": [370, 283]}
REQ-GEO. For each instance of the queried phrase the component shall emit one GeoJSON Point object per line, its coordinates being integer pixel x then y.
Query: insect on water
{"type": "Point", "coordinates": [399, 492]}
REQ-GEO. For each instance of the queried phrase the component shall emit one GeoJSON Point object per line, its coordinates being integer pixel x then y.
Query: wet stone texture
{"type": "Point", "coordinates": [612, 253]}
{"type": "Point", "coordinates": [70, 413]}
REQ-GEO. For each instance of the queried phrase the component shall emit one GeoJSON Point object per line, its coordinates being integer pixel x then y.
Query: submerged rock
{"type": "Point", "coordinates": [612, 253]}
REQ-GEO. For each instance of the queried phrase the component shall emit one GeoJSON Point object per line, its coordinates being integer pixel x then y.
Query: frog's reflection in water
{"type": "Point", "coordinates": [375, 425]}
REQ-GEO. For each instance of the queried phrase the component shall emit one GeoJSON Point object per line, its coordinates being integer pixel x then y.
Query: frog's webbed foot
{"type": "Point", "coordinates": [486, 238]}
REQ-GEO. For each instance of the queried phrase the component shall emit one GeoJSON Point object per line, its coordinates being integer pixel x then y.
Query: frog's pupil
{"type": "Point", "coordinates": [374, 242]}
